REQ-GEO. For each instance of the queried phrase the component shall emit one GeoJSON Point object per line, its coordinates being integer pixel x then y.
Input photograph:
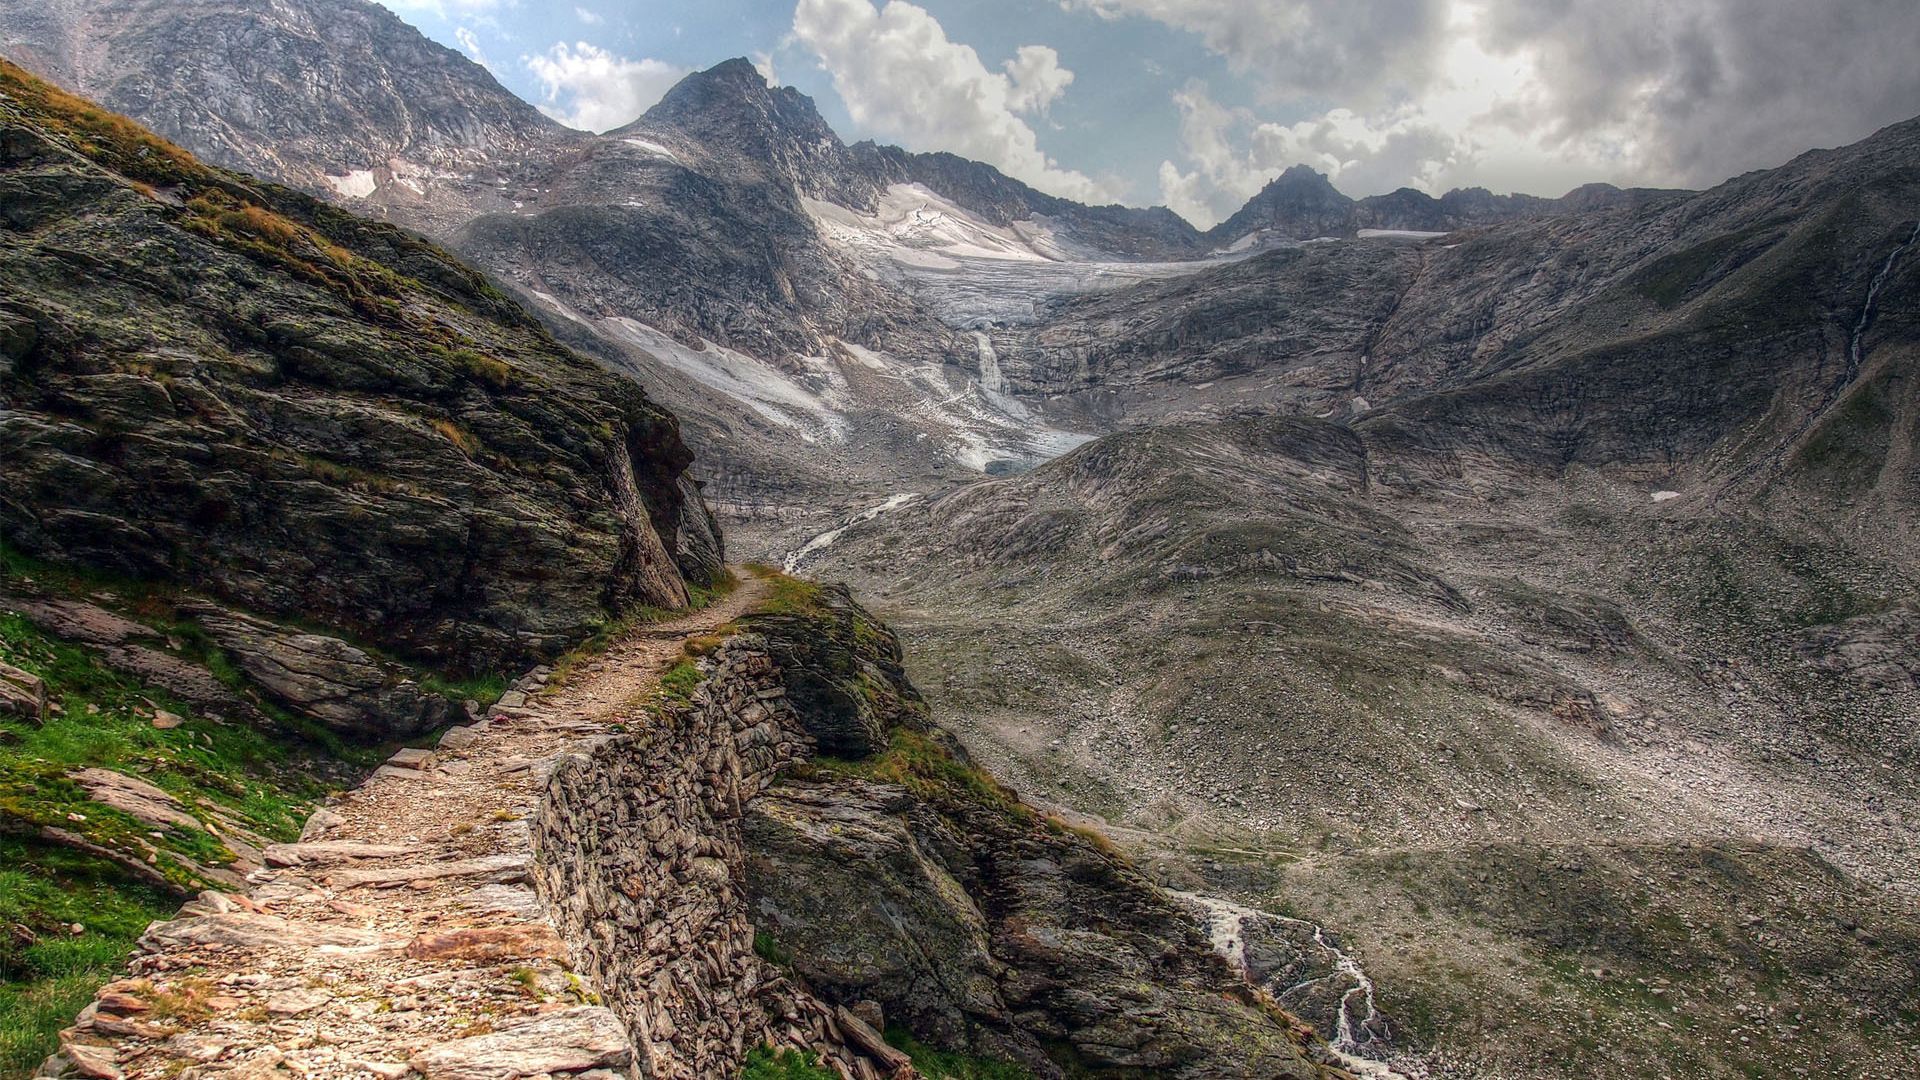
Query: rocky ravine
{"type": "Point", "coordinates": [546, 895]}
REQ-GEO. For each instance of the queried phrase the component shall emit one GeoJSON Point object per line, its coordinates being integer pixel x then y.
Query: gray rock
{"type": "Point", "coordinates": [252, 930]}
{"type": "Point", "coordinates": [134, 796]}
{"type": "Point", "coordinates": [325, 678]}
{"type": "Point", "coordinates": [457, 737]}
{"type": "Point", "coordinates": [572, 1040]}
{"type": "Point", "coordinates": [320, 822]}
{"type": "Point", "coordinates": [501, 868]}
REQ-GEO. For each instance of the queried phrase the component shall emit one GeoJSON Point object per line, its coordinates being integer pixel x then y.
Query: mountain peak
{"type": "Point", "coordinates": [732, 111]}
{"type": "Point", "coordinates": [1302, 173]}
{"type": "Point", "coordinates": [732, 100]}
{"type": "Point", "coordinates": [1300, 202]}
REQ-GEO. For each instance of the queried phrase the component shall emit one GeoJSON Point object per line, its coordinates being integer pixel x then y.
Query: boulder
{"type": "Point", "coordinates": [22, 693]}
{"type": "Point", "coordinates": [132, 795]}
{"type": "Point", "coordinates": [982, 929]}
{"type": "Point", "coordinates": [324, 678]}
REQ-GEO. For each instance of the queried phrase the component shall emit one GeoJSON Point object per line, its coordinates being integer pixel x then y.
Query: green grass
{"type": "Point", "coordinates": [265, 781]}
{"type": "Point", "coordinates": [768, 948]}
{"type": "Point", "coordinates": [916, 762]}
{"type": "Point", "coordinates": [678, 684]}
{"type": "Point", "coordinates": [790, 595]}
{"type": "Point", "coordinates": [485, 689]}
{"type": "Point", "coordinates": [764, 1064]}
{"type": "Point", "coordinates": [47, 972]}
{"type": "Point", "coordinates": [106, 721]}
{"type": "Point", "coordinates": [947, 1065]}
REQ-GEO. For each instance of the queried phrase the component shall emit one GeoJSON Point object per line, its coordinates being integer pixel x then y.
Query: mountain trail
{"type": "Point", "coordinates": [401, 933]}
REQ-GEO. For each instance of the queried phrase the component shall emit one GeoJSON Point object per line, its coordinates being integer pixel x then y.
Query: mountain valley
{"type": "Point", "coordinates": [1491, 622]}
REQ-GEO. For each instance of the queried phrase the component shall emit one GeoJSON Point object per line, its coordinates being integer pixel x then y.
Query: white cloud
{"type": "Point", "coordinates": [902, 77]}
{"type": "Point", "coordinates": [763, 63]}
{"type": "Point", "coordinates": [470, 44]}
{"type": "Point", "coordinates": [589, 88]}
{"type": "Point", "coordinates": [1037, 77]}
{"type": "Point", "coordinates": [1353, 49]}
{"type": "Point", "coordinates": [1692, 92]}
{"type": "Point", "coordinates": [1528, 95]}
{"type": "Point", "coordinates": [588, 16]}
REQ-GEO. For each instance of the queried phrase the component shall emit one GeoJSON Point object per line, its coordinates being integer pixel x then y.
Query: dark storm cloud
{"type": "Point", "coordinates": [1707, 88]}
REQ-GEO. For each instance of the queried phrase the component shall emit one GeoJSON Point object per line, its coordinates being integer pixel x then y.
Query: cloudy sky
{"type": "Point", "coordinates": [1197, 103]}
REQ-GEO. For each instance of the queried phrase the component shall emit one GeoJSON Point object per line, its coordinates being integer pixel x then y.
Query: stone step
{"type": "Point", "coordinates": [331, 851]}
{"type": "Point", "coordinates": [499, 868]}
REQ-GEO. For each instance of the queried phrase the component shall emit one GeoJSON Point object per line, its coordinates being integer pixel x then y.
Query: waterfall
{"type": "Point", "coordinates": [1854, 354]}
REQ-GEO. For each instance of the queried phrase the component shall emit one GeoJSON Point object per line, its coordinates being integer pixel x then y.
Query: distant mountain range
{"type": "Point", "coordinates": [301, 91]}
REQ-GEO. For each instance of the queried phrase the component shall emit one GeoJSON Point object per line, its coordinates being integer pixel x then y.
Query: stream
{"type": "Point", "coordinates": [1362, 1048]}
{"type": "Point", "coordinates": [1873, 295]}
{"type": "Point", "coordinates": [825, 540]}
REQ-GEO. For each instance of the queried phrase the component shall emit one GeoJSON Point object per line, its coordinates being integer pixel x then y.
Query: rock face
{"type": "Point", "coordinates": [339, 98]}
{"type": "Point", "coordinates": [674, 856]}
{"type": "Point", "coordinates": [324, 678]}
{"type": "Point", "coordinates": [988, 932]}
{"type": "Point", "coordinates": [235, 388]}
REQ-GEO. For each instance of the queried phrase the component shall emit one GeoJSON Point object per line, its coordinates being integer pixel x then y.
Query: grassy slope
{"type": "Point", "coordinates": [265, 779]}
{"type": "Point", "coordinates": [70, 917]}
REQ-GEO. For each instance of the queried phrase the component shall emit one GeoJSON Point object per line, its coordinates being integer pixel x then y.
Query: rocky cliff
{"type": "Point", "coordinates": [342, 99]}
{"type": "Point", "coordinates": [796, 848]}
{"type": "Point", "coordinates": [225, 385]}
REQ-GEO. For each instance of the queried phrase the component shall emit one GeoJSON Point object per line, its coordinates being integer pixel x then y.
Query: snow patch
{"type": "Point", "coordinates": [826, 539]}
{"type": "Point", "coordinates": [1241, 244]}
{"type": "Point", "coordinates": [1397, 234]}
{"type": "Point", "coordinates": [911, 218]}
{"type": "Point", "coordinates": [357, 184]}
{"type": "Point", "coordinates": [982, 427]}
{"type": "Point", "coordinates": [554, 302]}
{"type": "Point", "coordinates": [749, 380]}
{"type": "Point", "coordinates": [1663, 496]}
{"type": "Point", "coordinates": [654, 148]}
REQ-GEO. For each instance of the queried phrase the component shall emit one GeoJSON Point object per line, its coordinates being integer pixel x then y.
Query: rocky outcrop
{"type": "Point", "coordinates": [22, 693]}
{"type": "Point", "coordinates": [237, 389]}
{"type": "Point", "coordinates": [1879, 650]}
{"type": "Point", "coordinates": [324, 678]}
{"type": "Point", "coordinates": [981, 929]}
{"type": "Point", "coordinates": [687, 872]}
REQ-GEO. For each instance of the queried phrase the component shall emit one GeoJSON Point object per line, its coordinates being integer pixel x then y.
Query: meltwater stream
{"type": "Point", "coordinates": [1359, 1047]}
{"type": "Point", "coordinates": [1873, 296]}
{"type": "Point", "coordinates": [825, 540]}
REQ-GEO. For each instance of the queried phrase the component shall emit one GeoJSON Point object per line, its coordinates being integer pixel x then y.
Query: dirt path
{"type": "Point", "coordinates": [401, 934]}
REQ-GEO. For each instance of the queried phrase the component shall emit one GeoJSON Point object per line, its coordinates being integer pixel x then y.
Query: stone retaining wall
{"type": "Point", "coordinates": [639, 857]}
